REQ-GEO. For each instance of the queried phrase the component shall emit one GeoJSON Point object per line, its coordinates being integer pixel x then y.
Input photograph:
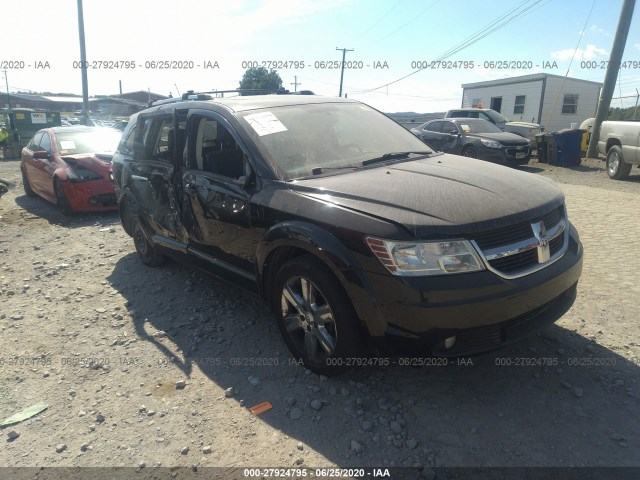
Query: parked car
{"type": "Point", "coordinates": [71, 167]}
{"type": "Point", "coordinates": [350, 228]}
{"type": "Point", "coordinates": [120, 125]}
{"type": "Point", "coordinates": [619, 141]}
{"type": "Point", "coordinates": [475, 138]}
{"type": "Point", "coordinates": [524, 129]}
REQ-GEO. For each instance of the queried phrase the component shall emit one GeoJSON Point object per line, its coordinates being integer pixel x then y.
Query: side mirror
{"type": "Point", "coordinates": [41, 154]}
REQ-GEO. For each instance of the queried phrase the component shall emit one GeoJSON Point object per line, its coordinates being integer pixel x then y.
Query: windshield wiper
{"type": "Point", "coordinates": [392, 156]}
{"type": "Point", "coordinates": [321, 170]}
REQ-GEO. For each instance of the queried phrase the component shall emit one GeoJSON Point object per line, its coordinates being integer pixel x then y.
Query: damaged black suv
{"type": "Point", "coordinates": [350, 228]}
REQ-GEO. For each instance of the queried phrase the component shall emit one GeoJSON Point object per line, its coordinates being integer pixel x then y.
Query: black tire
{"type": "Point", "coordinates": [315, 316]}
{"type": "Point", "coordinates": [27, 186]}
{"type": "Point", "coordinates": [61, 198]}
{"type": "Point", "coordinates": [147, 253]}
{"type": "Point", "coordinates": [470, 152]}
{"type": "Point", "coordinates": [616, 168]}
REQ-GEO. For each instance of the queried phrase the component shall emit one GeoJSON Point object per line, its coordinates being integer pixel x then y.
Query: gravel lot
{"type": "Point", "coordinates": [143, 367]}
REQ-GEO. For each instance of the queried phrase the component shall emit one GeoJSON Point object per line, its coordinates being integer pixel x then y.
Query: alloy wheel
{"type": "Point", "coordinates": [308, 319]}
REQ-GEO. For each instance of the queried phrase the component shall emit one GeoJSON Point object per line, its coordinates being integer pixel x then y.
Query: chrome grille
{"type": "Point", "coordinates": [525, 247]}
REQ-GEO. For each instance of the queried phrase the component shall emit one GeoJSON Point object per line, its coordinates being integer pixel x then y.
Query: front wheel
{"type": "Point", "coordinates": [61, 198]}
{"type": "Point", "coordinates": [147, 253]}
{"type": "Point", "coordinates": [470, 152]}
{"type": "Point", "coordinates": [315, 316]}
{"type": "Point", "coordinates": [616, 168]}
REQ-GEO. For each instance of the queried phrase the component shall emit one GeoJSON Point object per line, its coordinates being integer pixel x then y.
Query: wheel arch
{"type": "Point", "coordinates": [292, 239]}
{"type": "Point", "coordinates": [612, 142]}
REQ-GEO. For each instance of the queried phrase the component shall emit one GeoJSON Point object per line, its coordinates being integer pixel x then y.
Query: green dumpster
{"type": "Point", "coordinates": [23, 124]}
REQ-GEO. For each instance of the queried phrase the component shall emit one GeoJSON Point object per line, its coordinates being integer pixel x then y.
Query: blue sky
{"type": "Point", "coordinates": [391, 32]}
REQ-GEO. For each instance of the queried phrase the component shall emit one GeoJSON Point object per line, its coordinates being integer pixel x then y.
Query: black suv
{"type": "Point", "coordinates": [349, 227]}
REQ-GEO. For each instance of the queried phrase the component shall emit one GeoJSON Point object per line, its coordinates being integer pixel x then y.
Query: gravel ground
{"type": "Point", "coordinates": [143, 367]}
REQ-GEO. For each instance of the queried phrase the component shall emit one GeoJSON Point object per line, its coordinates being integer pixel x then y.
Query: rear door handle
{"type": "Point", "coordinates": [190, 188]}
{"type": "Point", "coordinates": [138, 177]}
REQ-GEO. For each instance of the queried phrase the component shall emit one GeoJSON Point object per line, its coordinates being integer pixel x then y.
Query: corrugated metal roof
{"type": "Point", "coordinates": [523, 78]}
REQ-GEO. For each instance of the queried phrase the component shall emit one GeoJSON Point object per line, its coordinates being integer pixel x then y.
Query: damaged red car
{"type": "Point", "coordinates": [71, 167]}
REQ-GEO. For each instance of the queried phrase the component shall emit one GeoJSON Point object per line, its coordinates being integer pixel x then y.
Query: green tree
{"type": "Point", "coordinates": [260, 78]}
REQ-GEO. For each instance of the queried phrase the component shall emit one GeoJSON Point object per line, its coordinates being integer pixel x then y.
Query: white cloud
{"type": "Point", "coordinates": [589, 53]}
{"type": "Point", "coordinates": [596, 29]}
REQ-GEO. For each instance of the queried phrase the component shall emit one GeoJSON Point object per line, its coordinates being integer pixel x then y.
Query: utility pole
{"type": "Point", "coordinates": [83, 64]}
{"type": "Point", "coordinates": [344, 52]}
{"type": "Point", "coordinates": [295, 83]}
{"type": "Point", "coordinates": [610, 77]}
{"type": "Point", "coordinates": [6, 82]}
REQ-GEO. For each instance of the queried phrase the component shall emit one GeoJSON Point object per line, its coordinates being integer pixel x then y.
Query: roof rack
{"type": "Point", "coordinates": [191, 95]}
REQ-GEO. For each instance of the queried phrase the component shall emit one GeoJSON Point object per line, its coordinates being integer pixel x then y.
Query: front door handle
{"type": "Point", "coordinates": [138, 177]}
{"type": "Point", "coordinates": [190, 188]}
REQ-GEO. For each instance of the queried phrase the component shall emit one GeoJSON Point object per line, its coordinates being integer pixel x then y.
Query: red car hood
{"type": "Point", "coordinates": [98, 162]}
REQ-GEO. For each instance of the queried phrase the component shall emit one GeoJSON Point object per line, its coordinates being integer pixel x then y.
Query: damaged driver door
{"type": "Point", "coordinates": [153, 172]}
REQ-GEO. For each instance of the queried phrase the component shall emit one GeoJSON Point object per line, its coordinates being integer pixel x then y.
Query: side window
{"type": "Point", "coordinates": [163, 144]}
{"type": "Point", "coordinates": [435, 127]}
{"type": "Point", "coordinates": [449, 127]}
{"type": "Point", "coordinates": [45, 143]}
{"type": "Point", "coordinates": [486, 117]}
{"type": "Point", "coordinates": [35, 141]}
{"type": "Point", "coordinates": [215, 149]}
{"type": "Point", "coordinates": [141, 139]}
{"type": "Point", "coordinates": [126, 144]}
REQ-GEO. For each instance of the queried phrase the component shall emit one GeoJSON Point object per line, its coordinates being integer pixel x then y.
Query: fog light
{"type": "Point", "coordinates": [449, 342]}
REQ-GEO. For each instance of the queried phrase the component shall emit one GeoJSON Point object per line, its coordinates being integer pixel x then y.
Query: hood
{"type": "Point", "coordinates": [506, 138]}
{"type": "Point", "coordinates": [441, 195]}
{"type": "Point", "coordinates": [92, 161]}
{"type": "Point", "coordinates": [523, 124]}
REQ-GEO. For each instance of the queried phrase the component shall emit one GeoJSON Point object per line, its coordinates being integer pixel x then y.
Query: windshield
{"type": "Point", "coordinates": [476, 125]}
{"type": "Point", "coordinates": [301, 139]}
{"type": "Point", "coordinates": [496, 116]}
{"type": "Point", "coordinates": [93, 141]}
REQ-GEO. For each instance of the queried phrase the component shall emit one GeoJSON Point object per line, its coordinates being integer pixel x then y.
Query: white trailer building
{"type": "Point", "coordinates": [553, 101]}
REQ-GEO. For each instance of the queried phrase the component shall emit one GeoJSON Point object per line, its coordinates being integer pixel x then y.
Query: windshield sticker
{"type": "Point", "coordinates": [265, 123]}
{"type": "Point", "coordinates": [67, 144]}
{"type": "Point", "coordinates": [465, 128]}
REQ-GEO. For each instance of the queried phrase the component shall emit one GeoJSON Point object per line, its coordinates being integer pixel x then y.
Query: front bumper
{"type": "Point", "coordinates": [506, 156]}
{"type": "Point", "coordinates": [483, 310]}
{"type": "Point", "coordinates": [93, 196]}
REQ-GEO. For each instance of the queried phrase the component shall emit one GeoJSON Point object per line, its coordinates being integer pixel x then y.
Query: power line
{"type": "Point", "coordinates": [410, 21]}
{"type": "Point", "coordinates": [492, 27]}
{"type": "Point", "coordinates": [381, 18]}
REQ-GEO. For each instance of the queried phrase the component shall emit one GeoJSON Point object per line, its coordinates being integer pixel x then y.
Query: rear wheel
{"type": "Point", "coordinates": [315, 316]}
{"type": "Point", "coordinates": [616, 168]}
{"type": "Point", "coordinates": [61, 197]}
{"type": "Point", "coordinates": [470, 152]}
{"type": "Point", "coordinates": [27, 186]}
{"type": "Point", "coordinates": [147, 253]}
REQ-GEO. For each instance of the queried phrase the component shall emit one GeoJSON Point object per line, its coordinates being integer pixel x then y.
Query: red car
{"type": "Point", "coordinates": [71, 167]}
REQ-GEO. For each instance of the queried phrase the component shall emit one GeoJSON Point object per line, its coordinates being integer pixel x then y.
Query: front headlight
{"type": "Point", "coordinates": [491, 143]}
{"type": "Point", "coordinates": [426, 258]}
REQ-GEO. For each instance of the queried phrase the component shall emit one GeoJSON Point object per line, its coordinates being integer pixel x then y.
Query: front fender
{"type": "Point", "coordinates": [328, 248]}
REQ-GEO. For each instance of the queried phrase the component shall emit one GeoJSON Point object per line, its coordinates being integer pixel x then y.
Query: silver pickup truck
{"type": "Point", "coordinates": [620, 143]}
